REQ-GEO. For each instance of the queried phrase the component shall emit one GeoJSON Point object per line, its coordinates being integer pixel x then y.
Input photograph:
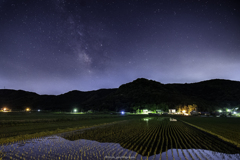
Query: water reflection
{"type": "Point", "coordinates": [157, 135]}
{"type": "Point", "coordinates": [173, 120]}
{"type": "Point", "coordinates": [154, 118]}
{"type": "Point", "coordinates": [56, 147]}
{"type": "Point", "coordinates": [147, 119]}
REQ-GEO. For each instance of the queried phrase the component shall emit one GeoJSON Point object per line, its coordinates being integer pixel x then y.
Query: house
{"type": "Point", "coordinates": [5, 109]}
{"type": "Point", "coordinates": [172, 111]}
{"type": "Point", "coordinates": [146, 111]}
{"type": "Point", "coordinates": [194, 113]}
{"type": "Point", "coordinates": [143, 111]}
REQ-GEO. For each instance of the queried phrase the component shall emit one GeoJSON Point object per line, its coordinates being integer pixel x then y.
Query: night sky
{"type": "Point", "coordinates": [55, 46]}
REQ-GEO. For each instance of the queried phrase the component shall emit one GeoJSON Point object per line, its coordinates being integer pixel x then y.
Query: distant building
{"type": "Point", "coordinates": [5, 109]}
{"type": "Point", "coordinates": [172, 111]}
{"type": "Point", "coordinates": [194, 113]}
{"type": "Point", "coordinates": [146, 111]}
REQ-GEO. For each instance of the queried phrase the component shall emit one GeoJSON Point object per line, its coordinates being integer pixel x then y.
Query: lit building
{"type": "Point", "coordinates": [5, 109]}
{"type": "Point", "coordinates": [172, 111]}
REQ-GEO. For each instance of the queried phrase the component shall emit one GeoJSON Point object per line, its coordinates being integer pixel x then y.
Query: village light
{"type": "Point", "coordinates": [27, 109]}
{"type": "Point", "coordinates": [234, 112]}
{"type": "Point", "coordinates": [39, 110]}
{"type": "Point", "coordinates": [5, 109]}
{"type": "Point", "coordinates": [75, 110]}
{"type": "Point", "coordinates": [220, 111]}
{"type": "Point", "coordinates": [228, 110]}
{"type": "Point", "coordinates": [183, 111]}
{"type": "Point", "coordinates": [122, 112]}
{"type": "Point", "coordinates": [145, 111]}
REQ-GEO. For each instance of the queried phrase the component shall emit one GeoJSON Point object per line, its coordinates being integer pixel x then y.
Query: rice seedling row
{"type": "Point", "coordinates": [227, 127]}
{"type": "Point", "coordinates": [135, 139]}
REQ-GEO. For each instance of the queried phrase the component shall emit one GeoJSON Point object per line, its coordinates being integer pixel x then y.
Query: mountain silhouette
{"type": "Point", "coordinates": [207, 95]}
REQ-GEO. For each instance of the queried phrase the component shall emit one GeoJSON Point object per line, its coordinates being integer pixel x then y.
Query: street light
{"type": "Point", "coordinates": [75, 110]}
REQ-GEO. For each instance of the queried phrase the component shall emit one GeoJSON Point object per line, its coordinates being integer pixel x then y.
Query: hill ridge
{"type": "Point", "coordinates": [208, 95]}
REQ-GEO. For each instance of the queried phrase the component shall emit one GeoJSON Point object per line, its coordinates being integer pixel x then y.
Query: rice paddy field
{"type": "Point", "coordinates": [138, 138]}
{"type": "Point", "coordinates": [25, 125]}
{"type": "Point", "coordinates": [228, 128]}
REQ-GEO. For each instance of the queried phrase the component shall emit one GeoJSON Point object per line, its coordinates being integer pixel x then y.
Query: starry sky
{"type": "Point", "coordinates": [55, 46]}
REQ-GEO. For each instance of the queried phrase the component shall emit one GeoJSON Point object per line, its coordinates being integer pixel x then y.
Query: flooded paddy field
{"type": "Point", "coordinates": [146, 138]}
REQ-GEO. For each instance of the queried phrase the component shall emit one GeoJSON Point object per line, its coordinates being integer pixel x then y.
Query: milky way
{"type": "Point", "coordinates": [52, 47]}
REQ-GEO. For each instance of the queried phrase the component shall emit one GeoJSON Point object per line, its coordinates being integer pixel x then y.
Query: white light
{"type": "Point", "coordinates": [220, 111]}
{"type": "Point", "coordinates": [234, 112]}
{"type": "Point", "coordinates": [122, 112]}
{"type": "Point", "coordinates": [75, 110]}
{"type": "Point", "coordinates": [39, 110]}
